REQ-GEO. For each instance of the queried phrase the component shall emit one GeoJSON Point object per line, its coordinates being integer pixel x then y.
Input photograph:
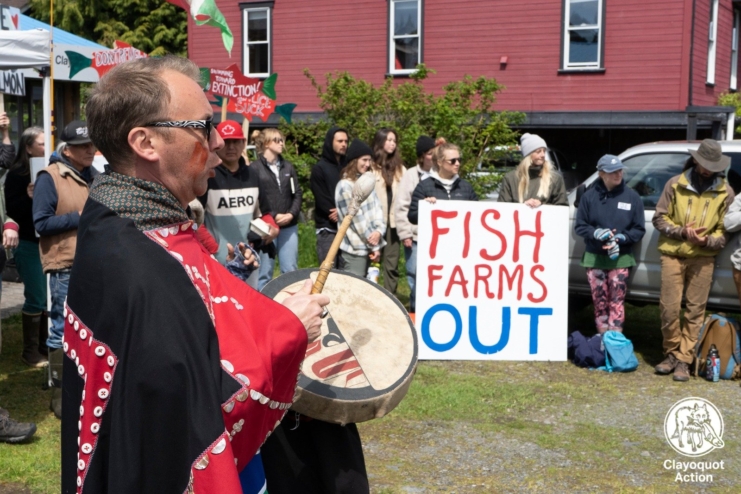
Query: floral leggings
{"type": "Point", "coordinates": [608, 294]}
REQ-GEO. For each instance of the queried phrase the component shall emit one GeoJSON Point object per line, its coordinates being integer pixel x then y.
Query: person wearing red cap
{"type": "Point", "coordinates": [233, 199]}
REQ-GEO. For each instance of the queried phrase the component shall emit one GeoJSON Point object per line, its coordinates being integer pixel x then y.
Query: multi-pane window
{"type": "Point", "coordinates": [583, 34]}
{"type": "Point", "coordinates": [257, 41]}
{"type": "Point", "coordinates": [734, 50]}
{"type": "Point", "coordinates": [712, 35]}
{"type": "Point", "coordinates": [405, 35]}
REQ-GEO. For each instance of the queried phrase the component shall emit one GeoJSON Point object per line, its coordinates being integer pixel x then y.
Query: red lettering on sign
{"type": "Point", "coordinates": [504, 273]}
{"type": "Point", "coordinates": [437, 230]}
{"type": "Point", "coordinates": [432, 277]}
{"type": "Point", "coordinates": [466, 234]}
{"type": "Point", "coordinates": [537, 280]}
{"type": "Point", "coordinates": [457, 278]}
{"type": "Point", "coordinates": [537, 233]}
{"type": "Point", "coordinates": [479, 277]}
{"type": "Point", "coordinates": [502, 238]}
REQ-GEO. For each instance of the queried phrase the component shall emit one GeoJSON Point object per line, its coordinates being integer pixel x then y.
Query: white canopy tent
{"type": "Point", "coordinates": [30, 50]}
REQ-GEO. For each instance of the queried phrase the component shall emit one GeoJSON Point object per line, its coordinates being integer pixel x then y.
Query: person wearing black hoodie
{"type": "Point", "coordinates": [324, 178]}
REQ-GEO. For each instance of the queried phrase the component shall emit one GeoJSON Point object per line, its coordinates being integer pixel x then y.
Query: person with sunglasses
{"type": "Point", "coordinates": [59, 195]}
{"type": "Point", "coordinates": [535, 181]}
{"type": "Point", "coordinates": [280, 189]}
{"type": "Point", "coordinates": [233, 200]}
{"type": "Point", "coordinates": [176, 371]}
{"type": "Point", "coordinates": [444, 182]}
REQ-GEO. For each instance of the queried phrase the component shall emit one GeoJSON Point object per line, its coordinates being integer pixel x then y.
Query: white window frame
{"type": "Point", "coordinates": [734, 49]}
{"type": "Point", "coordinates": [247, 44]}
{"type": "Point", "coordinates": [712, 42]}
{"type": "Point", "coordinates": [392, 38]}
{"type": "Point", "coordinates": [566, 38]}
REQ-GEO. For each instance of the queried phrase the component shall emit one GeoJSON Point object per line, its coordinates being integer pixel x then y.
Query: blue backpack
{"type": "Point", "coordinates": [619, 356]}
{"type": "Point", "coordinates": [586, 352]}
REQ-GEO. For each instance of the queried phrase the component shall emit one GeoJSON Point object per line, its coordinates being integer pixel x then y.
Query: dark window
{"type": "Point", "coordinates": [583, 34]}
{"type": "Point", "coordinates": [405, 35]}
{"type": "Point", "coordinates": [257, 38]}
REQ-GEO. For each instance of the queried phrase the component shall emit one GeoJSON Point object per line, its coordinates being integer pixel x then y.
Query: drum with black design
{"type": "Point", "coordinates": [361, 366]}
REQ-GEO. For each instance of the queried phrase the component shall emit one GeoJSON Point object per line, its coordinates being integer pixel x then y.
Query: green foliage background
{"type": "Point", "coordinates": [462, 114]}
{"type": "Point", "coordinates": [153, 26]}
{"type": "Point", "coordinates": [731, 99]}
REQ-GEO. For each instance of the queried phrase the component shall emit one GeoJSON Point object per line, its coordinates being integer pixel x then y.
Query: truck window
{"type": "Point", "coordinates": [647, 174]}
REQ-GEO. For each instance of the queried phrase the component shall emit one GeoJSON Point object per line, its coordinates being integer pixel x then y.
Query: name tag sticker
{"type": "Point", "coordinates": [624, 205]}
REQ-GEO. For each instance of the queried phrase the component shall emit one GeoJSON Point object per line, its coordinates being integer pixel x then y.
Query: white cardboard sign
{"type": "Point", "coordinates": [492, 281]}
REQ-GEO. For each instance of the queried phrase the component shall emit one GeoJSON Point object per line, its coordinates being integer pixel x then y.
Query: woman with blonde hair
{"type": "Point", "coordinates": [388, 169]}
{"type": "Point", "coordinates": [281, 193]}
{"type": "Point", "coordinates": [444, 182]}
{"type": "Point", "coordinates": [534, 182]}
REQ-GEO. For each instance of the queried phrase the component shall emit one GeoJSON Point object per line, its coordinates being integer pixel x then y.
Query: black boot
{"type": "Point", "coordinates": [56, 363]}
{"type": "Point", "coordinates": [12, 431]}
{"type": "Point", "coordinates": [43, 333]}
{"type": "Point", "coordinates": [31, 355]}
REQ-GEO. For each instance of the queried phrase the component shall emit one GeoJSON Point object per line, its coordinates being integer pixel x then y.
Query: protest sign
{"type": "Point", "coordinates": [244, 95]}
{"type": "Point", "coordinates": [101, 61]}
{"type": "Point", "coordinates": [12, 82]}
{"type": "Point", "coordinates": [492, 281]}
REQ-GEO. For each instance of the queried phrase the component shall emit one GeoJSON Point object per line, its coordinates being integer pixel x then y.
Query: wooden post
{"type": "Point", "coordinates": [224, 104]}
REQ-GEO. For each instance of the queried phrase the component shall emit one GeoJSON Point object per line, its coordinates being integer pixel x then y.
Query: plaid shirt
{"type": "Point", "coordinates": [368, 219]}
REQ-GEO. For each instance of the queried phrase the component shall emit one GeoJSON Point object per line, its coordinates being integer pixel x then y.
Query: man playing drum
{"type": "Point", "coordinates": [176, 371]}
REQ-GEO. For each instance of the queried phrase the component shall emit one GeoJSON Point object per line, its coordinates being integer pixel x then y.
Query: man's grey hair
{"type": "Point", "coordinates": [131, 95]}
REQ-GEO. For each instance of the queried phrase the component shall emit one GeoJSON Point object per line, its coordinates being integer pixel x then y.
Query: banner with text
{"type": "Point", "coordinates": [492, 281]}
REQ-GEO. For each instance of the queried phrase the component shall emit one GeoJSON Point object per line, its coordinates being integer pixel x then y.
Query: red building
{"type": "Point", "coordinates": [621, 71]}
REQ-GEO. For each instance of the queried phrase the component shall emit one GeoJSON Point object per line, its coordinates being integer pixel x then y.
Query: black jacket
{"type": "Point", "coordinates": [282, 199]}
{"type": "Point", "coordinates": [620, 208]}
{"type": "Point", "coordinates": [431, 187]}
{"type": "Point", "coordinates": [18, 205]}
{"type": "Point", "coordinates": [324, 179]}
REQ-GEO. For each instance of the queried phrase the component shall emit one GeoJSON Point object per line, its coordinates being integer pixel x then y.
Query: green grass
{"type": "Point", "coordinates": [34, 464]}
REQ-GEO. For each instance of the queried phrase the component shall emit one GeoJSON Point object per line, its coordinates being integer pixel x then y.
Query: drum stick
{"type": "Point", "coordinates": [360, 192]}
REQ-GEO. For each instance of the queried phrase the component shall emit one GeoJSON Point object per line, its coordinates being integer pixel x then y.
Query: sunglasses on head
{"type": "Point", "coordinates": [207, 125]}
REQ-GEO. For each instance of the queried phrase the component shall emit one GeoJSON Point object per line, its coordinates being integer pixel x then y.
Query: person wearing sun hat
{"type": "Point", "coordinates": [689, 218]}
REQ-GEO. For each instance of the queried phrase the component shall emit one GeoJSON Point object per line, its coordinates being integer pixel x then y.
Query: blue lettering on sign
{"type": "Point", "coordinates": [533, 312]}
{"type": "Point", "coordinates": [474, 335]}
{"type": "Point", "coordinates": [441, 347]}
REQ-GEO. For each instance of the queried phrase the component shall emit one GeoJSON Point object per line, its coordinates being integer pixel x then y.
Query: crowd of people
{"type": "Point", "coordinates": [181, 222]}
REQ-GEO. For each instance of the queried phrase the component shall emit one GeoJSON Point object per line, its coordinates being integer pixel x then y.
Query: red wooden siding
{"type": "Point", "coordinates": [646, 53]}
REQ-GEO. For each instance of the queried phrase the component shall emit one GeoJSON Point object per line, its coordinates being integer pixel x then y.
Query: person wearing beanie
{"type": "Point", "coordinates": [535, 181]}
{"type": "Point", "coordinates": [232, 200]}
{"type": "Point", "coordinates": [610, 220]}
{"type": "Point", "coordinates": [406, 231]}
{"type": "Point", "coordinates": [388, 169]}
{"type": "Point", "coordinates": [364, 239]}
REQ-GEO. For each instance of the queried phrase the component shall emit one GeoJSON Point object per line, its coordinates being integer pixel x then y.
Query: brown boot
{"type": "Point", "coordinates": [681, 372]}
{"type": "Point", "coordinates": [667, 365]}
{"type": "Point", "coordinates": [31, 355]}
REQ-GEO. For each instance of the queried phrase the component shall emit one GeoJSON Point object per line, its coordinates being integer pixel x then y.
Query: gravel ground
{"type": "Point", "coordinates": [609, 439]}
